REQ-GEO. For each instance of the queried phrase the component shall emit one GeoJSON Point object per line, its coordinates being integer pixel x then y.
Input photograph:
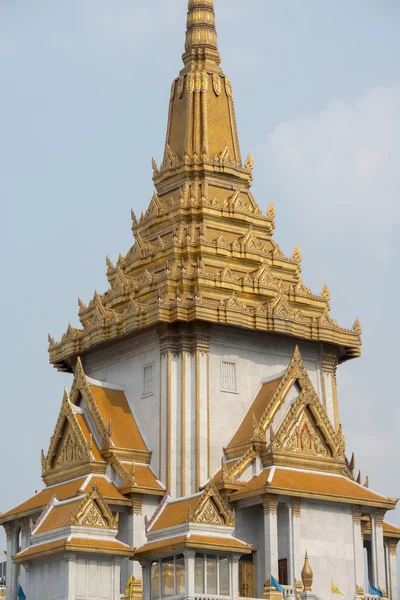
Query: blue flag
{"type": "Point", "coordinates": [21, 595]}
{"type": "Point", "coordinates": [275, 584]}
{"type": "Point", "coordinates": [374, 591]}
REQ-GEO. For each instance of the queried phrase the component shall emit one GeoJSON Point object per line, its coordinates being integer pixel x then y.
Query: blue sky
{"type": "Point", "coordinates": [85, 88]}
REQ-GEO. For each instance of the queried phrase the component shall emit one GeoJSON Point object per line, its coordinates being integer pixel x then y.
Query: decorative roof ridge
{"type": "Point", "coordinates": [34, 526]}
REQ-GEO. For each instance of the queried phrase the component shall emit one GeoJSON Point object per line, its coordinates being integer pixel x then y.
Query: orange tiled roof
{"type": "Point", "coordinates": [245, 431]}
{"type": "Point", "coordinates": [389, 530]}
{"type": "Point", "coordinates": [74, 545]}
{"type": "Point", "coordinates": [194, 541]}
{"type": "Point", "coordinates": [58, 517]}
{"type": "Point", "coordinates": [334, 487]}
{"type": "Point", "coordinates": [174, 513]}
{"type": "Point", "coordinates": [107, 489]}
{"type": "Point", "coordinates": [114, 406]}
{"type": "Point", "coordinates": [64, 491]}
{"type": "Point", "coordinates": [41, 500]}
{"type": "Point", "coordinates": [144, 476]}
{"type": "Point", "coordinates": [83, 424]}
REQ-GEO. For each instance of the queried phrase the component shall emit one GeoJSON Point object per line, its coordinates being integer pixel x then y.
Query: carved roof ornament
{"type": "Point", "coordinates": [297, 255]}
{"type": "Point", "coordinates": [307, 575]}
{"type": "Point", "coordinates": [94, 512]}
{"type": "Point", "coordinates": [211, 509]}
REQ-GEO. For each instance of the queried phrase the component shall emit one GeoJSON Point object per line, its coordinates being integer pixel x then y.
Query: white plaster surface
{"type": "Point", "coordinates": [326, 531]}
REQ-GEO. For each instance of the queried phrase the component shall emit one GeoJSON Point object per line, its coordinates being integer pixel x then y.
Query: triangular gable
{"type": "Point", "coordinates": [94, 512]}
{"type": "Point", "coordinates": [305, 417]}
{"type": "Point", "coordinates": [211, 509]}
{"type": "Point", "coordinates": [68, 445]}
{"type": "Point", "coordinates": [112, 417]}
{"type": "Point", "coordinates": [307, 430]}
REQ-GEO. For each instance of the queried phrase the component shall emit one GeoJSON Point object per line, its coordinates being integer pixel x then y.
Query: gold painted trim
{"type": "Point", "coordinates": [183, 423]}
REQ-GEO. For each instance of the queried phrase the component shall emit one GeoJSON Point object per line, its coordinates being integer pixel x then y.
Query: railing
{"type": "Point", "coordinates": [288, 590]}
{"type": "Point", "coordinates": [371, 597]}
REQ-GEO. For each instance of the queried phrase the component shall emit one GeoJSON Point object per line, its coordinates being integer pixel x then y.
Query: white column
{"type": "Point", "coordinates": [270, 504]}
{"type": "Point", "coordinates": [359, 576]}
{"type": "Point", "coordinates": [117, 578]}
{"type": "Point", "coordinates": [235, 576]}
{"type": "Point", "coordinates": [146, 575]}
{"type": "Point", "coordinates": [174, 429]}
{"type": "Point", "coordinates": [374, 557]}
{"type": "Point", "coordinates": [380, 550]}
{"type": "Point", "coordinates": [297, 557]}
{"type": "Point", "coordinates": [291, 577]}
{"type": "Point", "coordinates": [70, 577]}
{"type": "Point", "coordinates": [189, 574]}
{"type": "Point", "coordinates": [12, 533]}
{"type": "Point", "coordinates": [392, 583]}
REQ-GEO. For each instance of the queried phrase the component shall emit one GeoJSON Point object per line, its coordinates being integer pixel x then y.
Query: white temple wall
{"type": "Point", "coordinates": [257, 358]}
{"type": "Point", "coordinates": [249, 528]}
{"type": "Point", "coordinates": [326, 532]}
{"type": "Point", "coordinates": [123, 364]}
{"type": "Point", "coordinates": [48, 581]}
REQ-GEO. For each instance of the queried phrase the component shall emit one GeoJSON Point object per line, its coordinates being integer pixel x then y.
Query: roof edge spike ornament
{"type": "Point", "coordinates": [201, 34]}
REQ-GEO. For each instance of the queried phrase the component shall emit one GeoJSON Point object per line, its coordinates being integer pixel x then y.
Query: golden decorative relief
{"type": "Point", "coordinates": [270, 504]}
{"type": "Point", "coordinates": [94, 512]}
{"type": "Point", "coordinates": [357, 515]}
{"type": "Point", "coordinates": [92, 518]}
{"type": "Point", "coordinates": [296, 506]}
{"type": "Point", "coordinates": [216, 79]}
{"type": "Point", "coordinates": [380, 515]}
{"type": "Point", "coordinates": [393, 547]}
{"type": "Point", "coordinates": [211, 509]}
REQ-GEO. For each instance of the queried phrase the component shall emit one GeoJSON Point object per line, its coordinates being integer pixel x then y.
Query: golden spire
{"type": "Point", "coordinates": [201, 35]}
{"type": "Point", "coordinates": [307, 576]}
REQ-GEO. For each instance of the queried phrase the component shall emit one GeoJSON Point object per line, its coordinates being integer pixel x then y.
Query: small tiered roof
{"type": "Point", "coordinates": [185, 523]}
{"type": "Point", "coordinates": [95, 430]}
{"type": "Point", "coordinates": [82, 524]}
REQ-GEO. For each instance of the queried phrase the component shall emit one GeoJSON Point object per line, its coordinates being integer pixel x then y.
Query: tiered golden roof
{"type": "Point", "coordinates": [204, 250]}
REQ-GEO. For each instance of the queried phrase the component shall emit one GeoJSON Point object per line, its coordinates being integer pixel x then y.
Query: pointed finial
{"type": "Point", "coordinates": [307, 576]}
{"type": "Point", "coordinates": [249, 163]}
{"type": "Point", "coordinates": [366, 482]}
{"type": "Point", "coordinates": [271, 211]}
{"type": "Point", "coordinates": [297, 255]}
{"type": "Point", "coordinates": [51, 341]}
{"type": "Point", "coordinates": [82, 305]}
{"type": "Point", "coordinates": [325, 293]}
{"type": "Point", "coordinates": [109, 264]}
{"type": "Point", "coordinates": [357, 327]}
{"type": "Point", "coordinates": [201, 35]}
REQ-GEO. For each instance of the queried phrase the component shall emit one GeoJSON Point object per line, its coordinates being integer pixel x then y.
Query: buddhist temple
{"type": "Point", "coordinates": [199, 452]}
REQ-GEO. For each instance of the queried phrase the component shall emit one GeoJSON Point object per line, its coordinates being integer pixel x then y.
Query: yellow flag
{"type": "Point", "coordinates": [335, 589]}
{"type": "Point", "coordinates": [129, 588]}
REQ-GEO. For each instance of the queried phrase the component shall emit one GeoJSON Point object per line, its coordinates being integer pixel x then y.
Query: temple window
{"type": "Point", "coordinates": [212, 575]}
{"type": "Point", "coordinates": [228, 376]}
{"type": "Point", "coordinates": [168, 577]}
{"type": "Point", "coordinates": [148, 386]}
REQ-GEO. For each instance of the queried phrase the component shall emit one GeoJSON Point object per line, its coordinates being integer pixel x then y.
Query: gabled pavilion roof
{"type": "Point", "coordinates": [204, 250]}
